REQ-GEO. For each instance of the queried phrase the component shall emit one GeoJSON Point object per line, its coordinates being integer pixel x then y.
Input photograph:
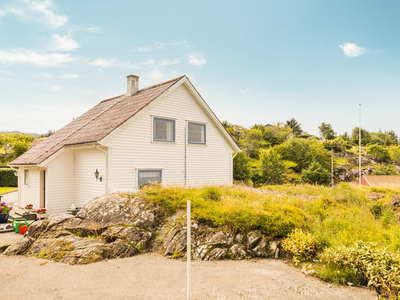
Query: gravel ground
{"type": "Point", "coordinates": [151, 276]}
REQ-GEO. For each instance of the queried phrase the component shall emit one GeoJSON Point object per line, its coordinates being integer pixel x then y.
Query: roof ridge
{"type": "Point", "coordinates": [80, 127]}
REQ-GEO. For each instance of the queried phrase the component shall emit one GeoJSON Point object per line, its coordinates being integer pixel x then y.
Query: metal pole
{"type": "Point", "coordinates": [189, 254]}
{"type": "Point", "coordinates": [359, 150]}
{"type": "Point", "coordinates": [332, 166]}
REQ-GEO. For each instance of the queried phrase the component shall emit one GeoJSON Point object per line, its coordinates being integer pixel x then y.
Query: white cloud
{"type": "Point", "coordinates": [155, 74]}
{"type": "Point", "coordinates": [17, 11]}
{"type": "Point", "coordinates": [197, 59]}
{"type": "Point", "coordinates": [63, 43]}
{"type": "Point", "coordinates": [71, 76]}
{"type": "Point", "coordinates": [45, 7]}
{"type": "Point", "coordinates": [143, 49]}
{"type": "Point", "coordinates": [159, 45]}
{"type": "Point", "coordinates": [245, 91]}
{"type": "Point", "coordinates": [103, 62]}
{"type": "Point", "coordinates": [352, 50]}
{"type": "Point", "coordinates": [22, 55]}
{"type": "Point", "coordinates": [55, 88]}
{"type": "Point", "coordinates": [113, 62]}
{"type": "Point", "coordinates": [45, 75]}
{"type": "Point", "coordinates": [166, 63]}
{"type": "Point", "coordinates": [6, 72]}
{"type": "Point", "coordinates": [2, 13]}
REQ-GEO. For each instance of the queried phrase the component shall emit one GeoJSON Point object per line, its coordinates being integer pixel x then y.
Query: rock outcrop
{"type": "Point", "coordinates": [118, 226]}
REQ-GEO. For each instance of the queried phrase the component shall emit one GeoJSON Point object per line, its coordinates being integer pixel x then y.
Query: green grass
{"type": "Point", "coordinates": [240, 208]}
{"type": "Point", "coordinates": [4, 190]}
{"type": "Point", "coordinates": [341, 161]}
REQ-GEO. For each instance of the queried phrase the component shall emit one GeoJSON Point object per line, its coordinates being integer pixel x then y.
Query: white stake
{"type": "Point", "coordinates": [359, 150]}
{"type": "Point", "coordinates": [189, 254]}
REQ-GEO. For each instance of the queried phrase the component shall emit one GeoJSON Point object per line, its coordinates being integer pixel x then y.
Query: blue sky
{"type": "Point", "coordinates": [252, 61]}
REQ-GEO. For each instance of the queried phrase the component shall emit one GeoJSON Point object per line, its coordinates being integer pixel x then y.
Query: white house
{"type": "Point", "coordinates": [165, 132]}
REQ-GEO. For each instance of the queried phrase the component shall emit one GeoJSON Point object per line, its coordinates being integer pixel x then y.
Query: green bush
{"type": "Point", "coordinates": [379, 153]}
{"type": "Point", "coordinates": [338, 144]}
{"type": "Point", "coordinates": [315, 174]}
{"type": "Point", "coordinates": [302, 246]}
{"type": "Point", "coordinates": [304, 152]}
{"type": "Point", "coordinates": [380, 267]}
{"type": "Point", "coordinates": [241, 168]}
{"type": "Point", "coordinates": [7, 178]}
{"type": "Point", "coordinates": [383, 169]}
{"type": "Point", "coordinates": [273, 167]}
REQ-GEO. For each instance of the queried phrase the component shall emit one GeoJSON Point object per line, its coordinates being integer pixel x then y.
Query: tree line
{"type": "Point", "coordinates": [284, 152]}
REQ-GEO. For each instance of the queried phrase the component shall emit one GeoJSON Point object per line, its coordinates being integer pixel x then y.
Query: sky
{"type": "Point", "coordinates": [253, 62]}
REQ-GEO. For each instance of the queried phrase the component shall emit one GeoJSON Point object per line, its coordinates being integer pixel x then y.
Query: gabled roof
{"type": "Point", "coordinates": [383, 180]}
{"type": "Point", "coordinates": [95, 124]}
{"type": "Point", "coordinates": [105, 119]}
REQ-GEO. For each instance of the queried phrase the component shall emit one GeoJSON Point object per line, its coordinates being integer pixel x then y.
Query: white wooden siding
{"type": "Point", "coordinates": [86, 186]}
{"type": "Point", "coordinates": [134, 149]}
{"type": "Point", "coordinates": [30, 194]}
{"type": "Point", "coordinates": [60, 183]}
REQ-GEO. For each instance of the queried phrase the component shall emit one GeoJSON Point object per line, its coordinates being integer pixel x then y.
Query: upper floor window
{"type": "Point", "coordinates": [197, 133]}
{"type": "Point", "coordinates": [163, 130]}
{"type": "Point", "coordinates": [26, 177]}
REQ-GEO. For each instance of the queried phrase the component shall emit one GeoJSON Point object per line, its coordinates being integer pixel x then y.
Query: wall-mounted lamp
{"type": "Point", "coordinates": [96, 174]}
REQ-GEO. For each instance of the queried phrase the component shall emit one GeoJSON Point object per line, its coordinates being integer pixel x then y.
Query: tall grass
{"type": "Point", "coordinates": [238, 207]}
{"type": "Point", "coordinates": [337, 216]}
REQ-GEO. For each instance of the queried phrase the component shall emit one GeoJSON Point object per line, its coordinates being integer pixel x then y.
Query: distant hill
{"type": "Point", "coordinates": [35, 135]}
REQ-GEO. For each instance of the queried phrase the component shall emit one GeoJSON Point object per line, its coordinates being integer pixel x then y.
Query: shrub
{"type": "Point", "coordinates": [315, 174]}
{"type": "Point", "coordinates": [301, 246]}
{"type": "Point", "coordinates": [7, 178]}
{"type": "Point", "coordinates": [338, 144]}
{"type": "Point", "coordinates": [241, 168]}
{"type": "Point", "coordinates": [273, 168]}
{"type": "Point", "coordinates": [304, 152]}
{"type": "Point", "coordinates": [383, 169]}
{"type": "Point", "coordinates": [379, 153]}
{"type": "Point", "coordinates": [380, 267]}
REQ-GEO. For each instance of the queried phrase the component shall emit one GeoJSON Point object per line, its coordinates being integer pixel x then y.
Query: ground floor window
{"type": "Point", "coordinates": [26, 177]}
{"type": "Point", "coordinates": [149, 176]}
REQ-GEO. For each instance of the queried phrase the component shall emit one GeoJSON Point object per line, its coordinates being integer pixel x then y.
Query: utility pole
{"type": "Point", "coordinates": [359, 150]}
{"type": "Point", "coordinates": [331, 166]}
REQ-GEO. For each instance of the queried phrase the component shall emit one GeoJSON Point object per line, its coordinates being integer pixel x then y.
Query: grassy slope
{"type": "Point", "coordinates": [336, 216]}
{"type": "Point", "coordinates": [7, 189]}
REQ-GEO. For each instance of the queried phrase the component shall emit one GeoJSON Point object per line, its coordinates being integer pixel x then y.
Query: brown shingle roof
{"type": "Point", "coordinates": [383, 180]}
{"type": "Point", "coordinates": [95, 124]}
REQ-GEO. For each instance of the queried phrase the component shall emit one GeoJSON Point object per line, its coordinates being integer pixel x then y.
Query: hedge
{"type": "Point", "coordinates": [7, 178]}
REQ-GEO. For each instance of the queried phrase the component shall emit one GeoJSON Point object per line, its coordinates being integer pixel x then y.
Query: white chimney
{"type": "Point", "coordinates": [132, 84]}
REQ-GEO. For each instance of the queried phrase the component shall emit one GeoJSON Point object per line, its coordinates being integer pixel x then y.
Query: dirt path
{"type": "Point", "coordinates": [151, 276]}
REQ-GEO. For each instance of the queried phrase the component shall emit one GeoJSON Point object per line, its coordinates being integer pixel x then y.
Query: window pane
{"type": "Point", "coordinates": [197, 133]}
{"type": "Point", "coordinates": [148, 177]}
{"type": "Point", "coordinates": [26, 177]}
{"type": "Point", "coordinates": [164, 130]}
